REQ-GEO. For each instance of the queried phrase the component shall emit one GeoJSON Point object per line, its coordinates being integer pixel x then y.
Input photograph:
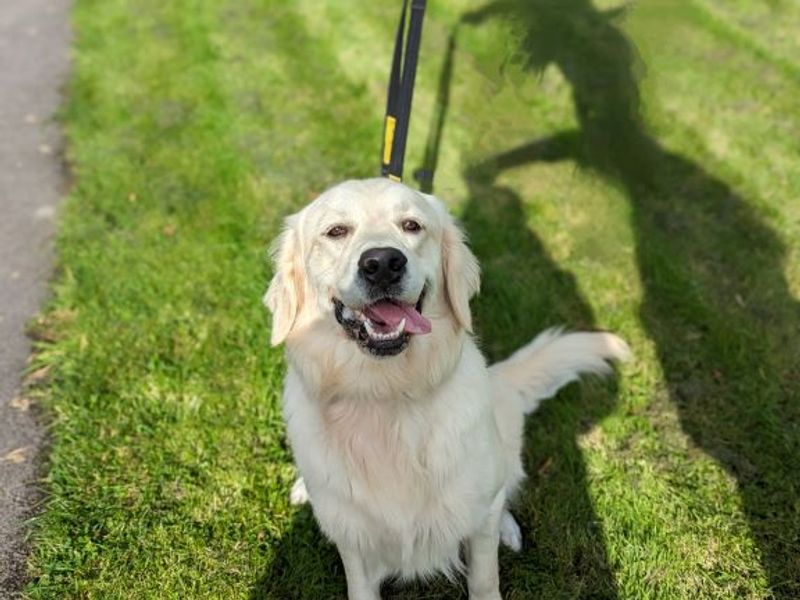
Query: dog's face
{"type": "Point", "coordinates": [383, 261]}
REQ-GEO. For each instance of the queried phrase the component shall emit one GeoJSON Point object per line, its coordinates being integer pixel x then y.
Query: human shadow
{"type": "Point", "coordinates": [716, 301]}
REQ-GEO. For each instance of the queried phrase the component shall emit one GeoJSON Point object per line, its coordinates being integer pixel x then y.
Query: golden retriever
{"type": "Point", "coordinates": [407, 443]}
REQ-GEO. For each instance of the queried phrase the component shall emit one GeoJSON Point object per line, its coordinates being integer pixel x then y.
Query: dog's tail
{"type": "Point", "coordinates": [537, 371]}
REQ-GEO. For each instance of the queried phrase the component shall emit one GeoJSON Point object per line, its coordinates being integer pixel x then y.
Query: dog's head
{"type": "Point", "coordinates": [382, 262]}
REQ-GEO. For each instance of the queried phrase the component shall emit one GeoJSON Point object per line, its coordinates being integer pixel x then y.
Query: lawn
{"type": "Point", "coordinates": [627, 169]}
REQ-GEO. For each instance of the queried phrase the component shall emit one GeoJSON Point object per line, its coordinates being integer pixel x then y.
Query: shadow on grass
{"type": "Point", "coordinates": [716, 300]}
{"type": "Point", "coordinates": [295, 572]}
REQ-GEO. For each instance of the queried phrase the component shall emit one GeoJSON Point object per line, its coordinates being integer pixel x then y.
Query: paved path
{"type": "Point", "coordinates": [34, 41]}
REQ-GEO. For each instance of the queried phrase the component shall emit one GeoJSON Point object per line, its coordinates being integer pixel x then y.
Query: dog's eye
{"type": "Point", "coordinates": [411, 226]}
{"type": "Point", "coordinates": [337, 231]}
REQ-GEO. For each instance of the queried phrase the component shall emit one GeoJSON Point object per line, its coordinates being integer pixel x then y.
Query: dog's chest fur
{"type": "Point", "coordinates": [405, 480]}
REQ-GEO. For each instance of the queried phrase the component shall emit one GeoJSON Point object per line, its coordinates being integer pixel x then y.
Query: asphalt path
{"type": "Point", "coordinates": [34, 61]}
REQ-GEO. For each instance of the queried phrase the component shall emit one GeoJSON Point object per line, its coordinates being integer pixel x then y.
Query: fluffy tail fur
{"type": "Point", "coordinates": [552, 360]}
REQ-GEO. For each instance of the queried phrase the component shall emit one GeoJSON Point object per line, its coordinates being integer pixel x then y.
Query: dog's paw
{"type": "Point", "coordinates": [510, 533]}
{"type": "Point", "coordinates": [299, 493]}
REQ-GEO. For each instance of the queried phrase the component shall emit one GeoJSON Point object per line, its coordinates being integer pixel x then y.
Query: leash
{"type": "Point", "coordinates": [401, 90]}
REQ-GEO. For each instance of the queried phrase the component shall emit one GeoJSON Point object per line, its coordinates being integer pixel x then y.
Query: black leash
{"type": "Point", "coordinates": [401, 90]}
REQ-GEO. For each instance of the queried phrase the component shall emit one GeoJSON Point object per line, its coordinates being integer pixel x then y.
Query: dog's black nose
{"type": "Point", "coordinates": [382, 266]}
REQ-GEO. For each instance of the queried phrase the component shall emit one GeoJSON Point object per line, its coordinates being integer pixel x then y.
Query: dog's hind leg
{"type": "Point", "coordinates": [299, 493]}
{"type": "Point", "coordinates": [510, 533]}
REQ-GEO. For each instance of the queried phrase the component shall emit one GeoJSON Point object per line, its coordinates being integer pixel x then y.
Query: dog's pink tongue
{"type": "Point", "coordinates": [391, 314]}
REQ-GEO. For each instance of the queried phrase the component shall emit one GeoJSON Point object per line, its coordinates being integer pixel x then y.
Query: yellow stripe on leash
{"type": "Point", "coordinates": [388, 139]}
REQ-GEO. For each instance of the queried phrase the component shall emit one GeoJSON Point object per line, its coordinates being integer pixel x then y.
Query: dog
{"type": "Point", "coordinates": [407, 444]}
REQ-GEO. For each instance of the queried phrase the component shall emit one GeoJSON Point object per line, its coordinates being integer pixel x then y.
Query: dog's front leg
{"type": "Point", "coordinates": [483, 579]}
{"type": "Point", "coordinates": [363, 583]}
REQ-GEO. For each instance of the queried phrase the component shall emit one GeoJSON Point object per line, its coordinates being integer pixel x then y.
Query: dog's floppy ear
{"type": "Point", "coordinates": [462, 274]}
{"type": "Point", "coordinates": [285, 294]}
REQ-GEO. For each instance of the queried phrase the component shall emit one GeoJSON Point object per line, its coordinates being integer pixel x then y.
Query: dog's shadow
{"type": "Point", "coordinates": [293, 571]}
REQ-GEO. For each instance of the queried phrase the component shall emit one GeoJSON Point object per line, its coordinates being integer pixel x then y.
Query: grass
{"type": "Point", "coordinates": [195, 126]}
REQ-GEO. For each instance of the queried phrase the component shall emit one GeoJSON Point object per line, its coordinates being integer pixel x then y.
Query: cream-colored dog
{"type": "Point", "coordinates": [407, 444]}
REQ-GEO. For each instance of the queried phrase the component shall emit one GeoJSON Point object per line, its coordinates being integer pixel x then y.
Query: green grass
{"type": "Point", "coordinates": [194, 127]}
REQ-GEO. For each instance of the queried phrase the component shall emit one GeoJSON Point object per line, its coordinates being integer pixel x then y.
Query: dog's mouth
{"type": "Point", "coordinates": [384, 327]}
